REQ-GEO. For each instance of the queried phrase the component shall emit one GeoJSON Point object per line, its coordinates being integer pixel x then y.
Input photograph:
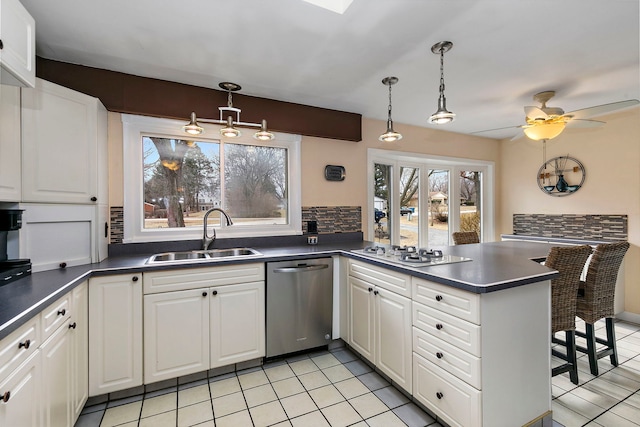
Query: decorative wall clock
{"type": "Point", "coordinates": [561, 176]}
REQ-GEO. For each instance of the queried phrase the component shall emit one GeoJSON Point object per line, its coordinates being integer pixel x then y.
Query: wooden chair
{"type": "Point", "coordinates": [569, 261]}
{"type": "Point", "coordinates": [595, 301]}
{"type": "Point", "coordinates": [465, 237]}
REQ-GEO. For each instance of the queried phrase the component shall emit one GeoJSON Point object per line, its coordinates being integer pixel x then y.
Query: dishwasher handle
{"type": "Point", "coordinates": [301, 268]}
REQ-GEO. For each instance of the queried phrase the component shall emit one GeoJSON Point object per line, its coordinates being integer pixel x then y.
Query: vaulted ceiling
{"type": "Point", "coordinates": [504, 51]}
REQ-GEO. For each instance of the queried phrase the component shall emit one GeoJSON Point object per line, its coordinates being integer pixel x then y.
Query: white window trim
{"type": "Point", "coordinates": [134, 127]}
{"type": "Point", "coordinates": [425, 162]}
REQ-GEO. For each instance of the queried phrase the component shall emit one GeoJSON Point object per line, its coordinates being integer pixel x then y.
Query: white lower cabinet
{"type": "Point", "coordinates": [56, 368]}
{"type": "Point", "coordinates": [64, 359]}
{"type": "Point", "coordinates": [80, 351]}
{"type": "Point", "coordinates": [176, 334]}
{"type": "Point", "coordinates": [115, 333]}
{"type": "Point", "coordinates": [189, 328]}
{"type": "Point", "coordinates": [237, 325]}
{"type": "Point", "coordinates": [452, 400]}
{"type": "Point", "coordinates": [20, 391]}
{"type": "Point", "coordinates": [476, 355]}
{"type": "Point", "coordinates": [380, 323]}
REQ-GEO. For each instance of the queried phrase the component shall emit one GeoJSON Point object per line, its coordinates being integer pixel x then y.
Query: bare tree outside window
{"type": "Point", "coordinates": [183, 179]}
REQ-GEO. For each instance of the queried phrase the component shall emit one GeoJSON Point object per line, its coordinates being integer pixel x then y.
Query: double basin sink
{"type": "Point", "coordinates": [208, 255]}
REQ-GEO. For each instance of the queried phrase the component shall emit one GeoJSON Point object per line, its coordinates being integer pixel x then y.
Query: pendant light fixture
{"type": "Point", "coordinates": [229, 130]}
{"type": "Point", "coordinates": [390, 135]}
{"type": "Point", "coordinates": [442, 116]}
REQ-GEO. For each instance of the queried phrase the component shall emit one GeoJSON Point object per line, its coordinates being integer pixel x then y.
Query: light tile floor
{"type": "Point", "coordinates": [319, 389]}
{"type": "Point", "coordinates": [612, 399]}
{"type": "Point", "coordinates": [337, 389]}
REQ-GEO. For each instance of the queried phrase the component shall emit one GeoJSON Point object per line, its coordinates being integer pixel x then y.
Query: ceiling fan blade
{"type": "Point", "coordinates": [598, 110]}
{"type": "Point", "coordinates": [581, 123]}
{"type": "Point", "coordinates": [496, 129]}
{"type": "Point", "coordinates": [535, 113]}
{"type": "Point", "coordinates": [517, 136]}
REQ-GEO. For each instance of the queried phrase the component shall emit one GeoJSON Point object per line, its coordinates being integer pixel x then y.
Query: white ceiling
{"type": "Point", "coordinates": [504, 51]}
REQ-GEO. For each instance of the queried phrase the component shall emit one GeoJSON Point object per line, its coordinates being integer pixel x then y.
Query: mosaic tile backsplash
{"type": "Point", "coordinates": [570, 226]}
{"type": "Point", "coordinates": [333, 219]}
{"type": "Point", "coordinates": [330, 219]}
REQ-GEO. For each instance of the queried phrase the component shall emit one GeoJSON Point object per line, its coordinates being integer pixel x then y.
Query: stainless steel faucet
{"type": "Point", "coordinates": [206, 240]}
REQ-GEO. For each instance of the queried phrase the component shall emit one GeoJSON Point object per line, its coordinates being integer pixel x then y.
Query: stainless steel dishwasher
{"type": "Point", "coordinates": [299, 305]}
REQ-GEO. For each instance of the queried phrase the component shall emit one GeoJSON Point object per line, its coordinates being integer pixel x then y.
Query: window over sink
{"type": "Point", "coordinates": [172, 179]}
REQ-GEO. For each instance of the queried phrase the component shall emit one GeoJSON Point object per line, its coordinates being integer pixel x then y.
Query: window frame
{"type": "Point", "coordinates": [425, 162]}
{"type": "Point", "coordinates": [134, 127]}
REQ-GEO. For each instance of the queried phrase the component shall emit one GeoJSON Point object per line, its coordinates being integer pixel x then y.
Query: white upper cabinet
{"type": "Point", "coordinates": [9, 143]}
{"type": "Point", "coordinates": [17, 45]}
{"type": "Point", "coordinates": [64, 146]}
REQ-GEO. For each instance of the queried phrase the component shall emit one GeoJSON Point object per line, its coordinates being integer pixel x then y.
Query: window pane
{"type": "Point", "coordinates": [438, 207]}
{"type": "Point", "coordinates": [181, 181]}
{"type": "Point", "coordinates": [470, 201]}
{"type": "Point", "coordinates": [255, 184]}
{"type": "Point", "coordinates": [381, 203]}
{"type": "Point", "coordinates": [409, 203]}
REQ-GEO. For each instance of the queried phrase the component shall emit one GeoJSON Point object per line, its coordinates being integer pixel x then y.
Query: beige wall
{"type": "Point", "coordinates": [611, 157]}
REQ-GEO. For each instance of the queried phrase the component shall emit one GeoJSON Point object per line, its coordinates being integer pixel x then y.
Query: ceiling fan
{"type": "Point", "coordinates": [544, 123]}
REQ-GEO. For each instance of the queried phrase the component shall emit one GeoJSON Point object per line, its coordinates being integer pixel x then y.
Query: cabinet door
{"type": "Point", "coordinates": [361, 318]}
{"type": "Point", "coordinates": [18, 53]}
{"type": "Point", "coordinates": [176, 334]}
{"type": "Point", "coordinates": [56, 378]}
{"type": "Point", "coordinates": [393, 336]}
{"type": "Point", "coordinates": [24, 405]}
{"type": "Point", "coordinates": [9, 144]}
{"type": "Point", "coordinates": [59, 129]}
{"type": "Point", "coordinates": [80, 350]}
{"type": "Point", "coordinates": [115, 333]}
{"type": "Point", "coordinates": [237, 316]}
{"type": "Point", "coordinates": [54, 234]}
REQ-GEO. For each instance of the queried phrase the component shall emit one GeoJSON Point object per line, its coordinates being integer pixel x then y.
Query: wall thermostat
{"type": "Point", "coordinates": [334, 173]}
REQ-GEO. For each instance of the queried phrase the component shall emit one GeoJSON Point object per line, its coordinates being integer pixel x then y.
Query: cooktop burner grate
{"type": "Point", "coordinates": [409, 255]}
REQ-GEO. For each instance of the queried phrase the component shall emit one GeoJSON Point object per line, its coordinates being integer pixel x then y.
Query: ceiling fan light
{"type": "Point", "coordinates": [193, 128]}
{"type": "Point", "coordinates": [229, 131]}
{"type": "Point", "coordinates": [263, 134]}
{"type": "Point", "coordinates": [544, 131]}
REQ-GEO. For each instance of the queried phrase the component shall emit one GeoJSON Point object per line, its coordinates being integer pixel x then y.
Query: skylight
{"type": "Point", "coordinates": [337, 6]}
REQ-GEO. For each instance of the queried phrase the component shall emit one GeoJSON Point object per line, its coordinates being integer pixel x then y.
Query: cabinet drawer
{"type": "Point", "coordinates": [450, 358]}
{"type": "Point", "coordinates": [19, 345]}
{"type": "Point", "coordinates": [195, 278]}
{"type": "Point", "coordinates": [55, 315]}
{"type": "Point", "coordinates": [380, 276]}
{"type": "Point", "coordinates": [456, 402]}
{"type": "Point", "coordinates": [462, 304]}
{"type": "Point", "coordinates": [452, 330]}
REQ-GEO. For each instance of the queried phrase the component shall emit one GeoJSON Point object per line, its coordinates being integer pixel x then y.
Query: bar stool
{"type": "Point", "coordinates": [595, 301]}
{"type": "Point", "coordinates": [569, 261]}
{"type": "Point", "coordinates": [465, 237]}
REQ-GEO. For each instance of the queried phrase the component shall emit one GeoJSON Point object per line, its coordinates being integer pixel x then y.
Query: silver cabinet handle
{"type": "Point", "coordinates": [300, 268]}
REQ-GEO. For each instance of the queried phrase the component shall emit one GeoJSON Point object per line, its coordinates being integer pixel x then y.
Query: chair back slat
{"type": "Point", "coordinates": [569, 261]}
{"type": "Point", "coordinates": [465, 237]}
{"type": "Point", "coordinates": [600, 284]}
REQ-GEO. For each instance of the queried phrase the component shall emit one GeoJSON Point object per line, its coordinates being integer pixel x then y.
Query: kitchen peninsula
{"type": "Point", "coordinates": [494, 308]}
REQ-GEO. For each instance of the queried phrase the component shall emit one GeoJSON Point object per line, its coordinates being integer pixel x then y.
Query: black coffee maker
{"type": "Point", "coordinates": [11, 269]}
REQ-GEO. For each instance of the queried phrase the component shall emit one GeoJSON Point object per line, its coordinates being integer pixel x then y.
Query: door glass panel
{"type": "Point", "coordinates": [409, 203]}
{"type": "Point", "coordinates": [470, 201]}
{"type": "Point", "coordinates": [382, 203]}
{"type": "Point", "coordinates": [438, 234]}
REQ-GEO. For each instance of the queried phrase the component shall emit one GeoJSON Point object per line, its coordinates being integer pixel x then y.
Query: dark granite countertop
{"type": "Point", "coordinates": [493, 267]}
